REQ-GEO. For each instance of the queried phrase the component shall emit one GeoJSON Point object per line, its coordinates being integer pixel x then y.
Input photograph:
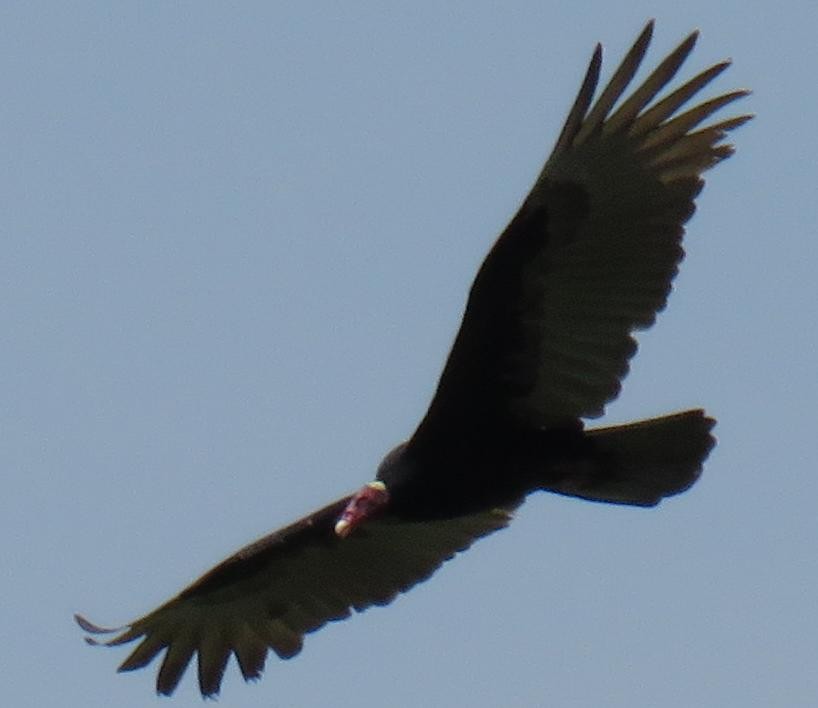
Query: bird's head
{"type": "Point", "coordinates": [365, 504]}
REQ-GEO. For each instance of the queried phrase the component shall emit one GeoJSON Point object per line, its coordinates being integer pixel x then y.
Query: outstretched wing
{"type": "Point", "coordinates": [271, 593]}
{"type": "Point", "coordinates": [589, 257]}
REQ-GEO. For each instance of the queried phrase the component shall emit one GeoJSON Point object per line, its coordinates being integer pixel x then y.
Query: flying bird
{"type": "Point", "coordinates": [545, 342]}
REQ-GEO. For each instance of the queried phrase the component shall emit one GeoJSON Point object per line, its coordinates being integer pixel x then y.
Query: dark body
{"type": "Point", "coordinates": [480, 469]}
{"type": "Point", "coordinates": [545, 342]}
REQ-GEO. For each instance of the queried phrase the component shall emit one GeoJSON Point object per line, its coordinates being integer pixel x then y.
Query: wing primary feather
{"type": "Point", "coordinates": [665, 108]}
{"type": "Point", "coordinates": [285, 642]}
{"type": "Point", "coordinates": [688, 120]}
{"type": "Point", "coordinates": [660, 77]}
{"type": "Point", "coordinates": [177, 657]}
{"type": "Point", "coordinates": [92, 628]}
{"type": "Point", "coordinates": [698, 149]}
{"type": "Point", "coordinates": [616, 86]}
{"type": "Point", "coordinates": [144, 652]}
{"type": "Point", "coordinates": [214, 651]}
{"type": "Point", "coordinates": [581, 103]}
{"type": "Point", "coordinates": [250, 652]}
{"type": "Point", "coordinates": [127, 633]}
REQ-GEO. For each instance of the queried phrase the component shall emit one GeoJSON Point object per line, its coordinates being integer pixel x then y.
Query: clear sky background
{"type": "Point", "coordinates": [236, 243]}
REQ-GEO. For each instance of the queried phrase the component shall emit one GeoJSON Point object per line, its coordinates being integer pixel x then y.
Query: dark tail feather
{"type": "Point", "coordinates": [643, 462]}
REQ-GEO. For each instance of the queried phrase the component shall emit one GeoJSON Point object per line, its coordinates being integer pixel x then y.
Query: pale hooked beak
{"type": "Point", "coordinates": [342, 528]}
{"type": "Point", "coordinates": [365, 504]}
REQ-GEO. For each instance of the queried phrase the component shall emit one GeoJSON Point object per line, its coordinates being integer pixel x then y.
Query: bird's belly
{"type": "Point", "coordinates": [467, 478]}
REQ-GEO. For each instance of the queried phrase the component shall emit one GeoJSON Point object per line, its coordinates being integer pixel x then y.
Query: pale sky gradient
{"type": "Point", "coordinates": [237, 242]}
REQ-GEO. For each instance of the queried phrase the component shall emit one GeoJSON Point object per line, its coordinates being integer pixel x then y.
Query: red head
{"type": "Point", "coordinates": [365, 504]}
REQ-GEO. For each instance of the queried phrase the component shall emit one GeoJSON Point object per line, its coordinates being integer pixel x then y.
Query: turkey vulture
{"type": "Point", "coordinates": [545, 342]}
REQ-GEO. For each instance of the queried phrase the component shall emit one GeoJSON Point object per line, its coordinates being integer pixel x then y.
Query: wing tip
{"type": "Point", "coordinates": [644, 39]}
{"type": "Point", "coordinates": [87, 626]}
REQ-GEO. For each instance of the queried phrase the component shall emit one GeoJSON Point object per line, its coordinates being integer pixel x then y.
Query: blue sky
{"type": "Point", "coordinates": [237, 243]}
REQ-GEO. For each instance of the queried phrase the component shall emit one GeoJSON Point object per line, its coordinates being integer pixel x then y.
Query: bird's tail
{"type": "Point", "coordinates": [642, 462]}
